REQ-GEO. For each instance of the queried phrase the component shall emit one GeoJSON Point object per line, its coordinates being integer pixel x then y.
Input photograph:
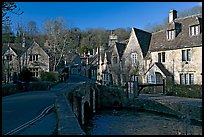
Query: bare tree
{"type": "Point", "coordinates": [32, 29]}
{"type": "Point", "coordinates": [57, 40]}
{"type": "Point", "coordinates": [9, 7]}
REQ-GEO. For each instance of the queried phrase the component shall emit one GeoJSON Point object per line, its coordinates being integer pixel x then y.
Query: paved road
{"type": "Point", "coordinates": [20, 108]}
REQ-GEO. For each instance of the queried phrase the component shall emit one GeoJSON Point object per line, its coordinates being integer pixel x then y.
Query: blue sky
{"type": "Point", "coordinates": [106, 15]}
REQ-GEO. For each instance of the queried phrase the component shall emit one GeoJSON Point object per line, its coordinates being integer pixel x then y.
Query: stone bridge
{"type": "Point", "coordinates": [84, 101]}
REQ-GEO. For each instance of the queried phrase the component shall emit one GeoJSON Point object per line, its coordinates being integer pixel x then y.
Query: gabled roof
{"type": "Point", "coordinates": [120, 48]}
{"type": "Point", "coordinates": [17, 48]}
{"type": "Point", "coordinates": [163, 69]}
{"type": "Point", "coordinates": [143, 39]}
{"type": "Point", "coordinates": [159, 40]}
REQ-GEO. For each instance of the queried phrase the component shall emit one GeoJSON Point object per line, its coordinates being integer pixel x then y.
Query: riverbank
{"type": "Point", "coordinates": [179, 106]}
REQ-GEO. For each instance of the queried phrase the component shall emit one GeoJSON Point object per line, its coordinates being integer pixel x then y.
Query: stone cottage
{"type": "Point", "coordinates": [17, 56]}
{"type": "Point", "coordinates": [173, 54]}
{"type": "Point", "coordinates": [178, 49]}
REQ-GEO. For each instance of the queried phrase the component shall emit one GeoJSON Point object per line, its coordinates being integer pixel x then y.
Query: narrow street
{"type": "Point", "coordinates": [20, 108]}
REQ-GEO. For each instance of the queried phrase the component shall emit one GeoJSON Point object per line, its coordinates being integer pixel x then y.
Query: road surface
{"type": "Point", "coordinates": [20, 108]}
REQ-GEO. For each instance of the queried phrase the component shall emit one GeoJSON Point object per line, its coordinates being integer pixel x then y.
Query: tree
{"type": "Point", "coordinates": [32, 29]}
{"type": "Point", "coordinates": [57, 40]}
{"type": "Point", "coordinates": [9, 7]}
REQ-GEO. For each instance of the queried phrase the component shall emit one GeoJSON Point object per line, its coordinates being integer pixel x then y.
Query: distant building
{"type": "Point", "coordinates": [17, 56]}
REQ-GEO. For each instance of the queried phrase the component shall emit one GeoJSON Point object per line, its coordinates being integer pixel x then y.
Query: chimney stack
{"type": "Point", "coordinates": [172, 15]}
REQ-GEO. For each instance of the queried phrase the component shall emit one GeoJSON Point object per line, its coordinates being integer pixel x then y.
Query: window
{"type": "Point", "coordinates": [194, 30]}
{"type": "Point", "coordinates": [170, 34]}
{"type": "Point", "coordinates": [186, 79]}
{"type": "Point", "coordinates": [181, 79]}
{"type": "Point", "coordinates": [191, 79]}
{"type": "Point", "coordinates": [161, 57]}
{"type": "Point", "coordinates": [134, 78]}
{"type": "Point", "coordinates": [133, 58]}
{"type": "Point", "coordinates": [150, 78]}
{"type": "Point", "coordinates": [9, 57]}
{"type": "Point", "coordinates": [186, 55]}
{"type": "Point", "coordinates": [33, 58]}
{"type": "Point", "coordinates": [35, 72]}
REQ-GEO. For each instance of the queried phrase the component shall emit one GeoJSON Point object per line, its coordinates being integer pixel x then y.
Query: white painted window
{"type": "Point", "coordinates": [181, 79]}
{"type": "Point", "coordinates": [187, 79]}
{"type": "Point", "coordinates": [191, 78]}
{"type": "Point", "coordinates": [170, 34]}
{"type": "Point", "coordinates": [150, 78]}
{"type": "Point", "coordinates": [133, 58]}
{"type": "Point", "coordinates": [194, 30]}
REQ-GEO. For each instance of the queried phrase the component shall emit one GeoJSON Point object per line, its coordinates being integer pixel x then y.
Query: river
{"type": "Point", "coordinates": [138, 122]}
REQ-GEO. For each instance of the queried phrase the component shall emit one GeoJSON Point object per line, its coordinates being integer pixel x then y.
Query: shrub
{"type": "Point", "coordinates": [25, 75]}
{"type": "Point", "coordinates": [49, 76]}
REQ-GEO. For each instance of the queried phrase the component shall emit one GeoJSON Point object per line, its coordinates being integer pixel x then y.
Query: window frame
{"type": "Point", "coordinates": [186, 55]}
{"type": "Point", "coordinates": [134, 58]}
{"type": "Point", "coordinates": [170, 34]}
{"type": "Point", "coordinates": [194, 30]}
{"type": "Point", "coordinates": [161, 57]}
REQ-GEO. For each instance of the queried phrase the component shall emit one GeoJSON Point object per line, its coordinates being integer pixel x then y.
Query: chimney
{"type": "Point", "coordinates": [172, 15]}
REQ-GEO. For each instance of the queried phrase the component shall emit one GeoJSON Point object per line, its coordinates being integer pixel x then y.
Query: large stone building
{"type": "Point", "coordinates": [172, 54]}
{"type": "Point", "coordinates": [17, 56]}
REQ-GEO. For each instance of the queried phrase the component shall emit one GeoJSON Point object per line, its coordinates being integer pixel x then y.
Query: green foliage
{"type": "Point", "coordinates": [49, 76]}
{"type": "Point", "coordinates": [191, 91]}
{"type": "Point", "coordinates": [25, 75]}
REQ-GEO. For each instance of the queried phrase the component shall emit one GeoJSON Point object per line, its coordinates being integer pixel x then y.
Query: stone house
{"type": "Point", "coordinates": [116, 61]}
{"type": "Point", "coordinates": [17, 56]}
{"type": "Point", "coordinates": [104, 73]}
{"type": "Point", "coordinates": [133, 57]}
{"type": "Point", "coordinates": [178, 48]}
{"type": "Point", "coordinates": [173, 54]}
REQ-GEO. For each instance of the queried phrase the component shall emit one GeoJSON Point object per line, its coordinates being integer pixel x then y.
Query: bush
{"type": "Point", "coordinates": [191, 91]}
{"type": "Point", "coordinates": [49, 76]}
{"type": "Point", "coordinates": [25, 75]}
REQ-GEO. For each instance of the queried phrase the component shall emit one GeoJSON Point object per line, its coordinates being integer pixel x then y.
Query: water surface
{"type": "Point", "coordinates": [135, 122]}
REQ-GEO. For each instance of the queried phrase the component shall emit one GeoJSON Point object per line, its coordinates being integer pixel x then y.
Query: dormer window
{"type": "Point", "coordinates": [170, 34]}
{"type": "Point", "coordinates": [194, 30]}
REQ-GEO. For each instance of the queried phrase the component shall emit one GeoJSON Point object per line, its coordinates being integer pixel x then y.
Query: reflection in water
{"type": "Point", "coordinates": [134, 122]}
